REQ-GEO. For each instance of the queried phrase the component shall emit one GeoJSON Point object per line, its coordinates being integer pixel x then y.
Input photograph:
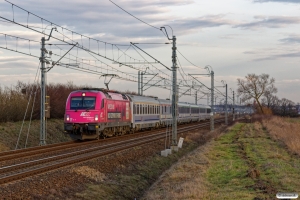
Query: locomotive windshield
{"type": "Point", "coordinates": [83, 103]}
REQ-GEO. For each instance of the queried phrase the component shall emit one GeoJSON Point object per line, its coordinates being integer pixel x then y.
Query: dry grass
{"type": "Point", "coordinates": [185, 180]}
{"type": "Point", "coordinates": [90, 173]}
{"type": "Point", "coordinates": [286, 130]}
{"type": "Point", "coordinates": [243, 163]}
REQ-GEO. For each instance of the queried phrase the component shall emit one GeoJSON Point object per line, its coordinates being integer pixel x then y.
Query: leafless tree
{"type": "Point", "coordinates": [255, 86]}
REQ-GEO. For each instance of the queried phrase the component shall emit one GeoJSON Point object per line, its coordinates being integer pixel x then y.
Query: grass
{"type": "Point", "coordinates": [133, 183]}
{"type": "Point", "coordinates": [227, 174]}
{"type": "Point", "coordinates": [286, 130]}
{"type": "Point", "coordinates": [247, 150]}
{"type": "Point", "coordinates": [133, 180]}
{"type": "Point", "coordinates": [10, 132]}
{"type": "Point", "coordinates": [244, 163]}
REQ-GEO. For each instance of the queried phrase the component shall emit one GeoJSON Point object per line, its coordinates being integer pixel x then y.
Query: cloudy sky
{"type": "Point", "coordinates": [234, 37]}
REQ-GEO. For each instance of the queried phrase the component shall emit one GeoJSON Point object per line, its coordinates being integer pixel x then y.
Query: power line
{"type": "Point", "coordinates": [134, 16]}
{"type": "Point", "coordinates": [54, 24]}
{"type": "Point", "coordinates": [188, 60]}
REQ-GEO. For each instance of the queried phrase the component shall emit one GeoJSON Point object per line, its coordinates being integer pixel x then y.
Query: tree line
{"type": "Point", "coordinates": [261, 89]}
{"type": "Point", "coordinates": [15, 100]}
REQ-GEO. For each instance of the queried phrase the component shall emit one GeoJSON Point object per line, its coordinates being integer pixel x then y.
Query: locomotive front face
{"type": "Point", "coordinates": [83, 107]}
{"type": "Point", "coordinates": [83, 114]}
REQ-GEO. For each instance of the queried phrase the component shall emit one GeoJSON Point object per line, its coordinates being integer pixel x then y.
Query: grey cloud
{"type": "Point", "coordinates": [229, 36]}
{"type": "Point", "coordinates": [278, 56]}
{"type": "Point", "coordinates": [279, 1]}
{"type": "Point", "coordinates": [250, 52]}
{"type": "Point", "coordinates": [293, 39]}
{"type": "Point", "coordinates": [94, 17]}
{"type": "Point", "coordinates": [269, 22]}
{"type": "Point", "coordinates": [9, 59]}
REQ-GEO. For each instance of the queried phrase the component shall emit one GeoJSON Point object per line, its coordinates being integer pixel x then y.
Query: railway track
{"type": "Point", "coordinates": [39, 150]}
{"type": "Point", "coordinates": [15, 172]}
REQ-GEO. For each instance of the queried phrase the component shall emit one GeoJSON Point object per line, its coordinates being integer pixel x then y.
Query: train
{"type": "Point", "coordinates": [93, 113]}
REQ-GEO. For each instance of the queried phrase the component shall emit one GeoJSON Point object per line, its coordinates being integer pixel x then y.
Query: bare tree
{"type": "Point", "coordinates": [254, 86]}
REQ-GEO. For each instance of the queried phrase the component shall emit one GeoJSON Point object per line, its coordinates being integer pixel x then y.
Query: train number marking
{"type": "Point", "coordinates": [114, 115]}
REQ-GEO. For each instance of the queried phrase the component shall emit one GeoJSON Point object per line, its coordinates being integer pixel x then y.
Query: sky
{"type": "Point", "coordinates": [231, 37]}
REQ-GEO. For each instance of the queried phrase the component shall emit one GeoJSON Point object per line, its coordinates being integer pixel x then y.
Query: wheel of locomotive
{"type": "Point", "coordinates": [106, 133]}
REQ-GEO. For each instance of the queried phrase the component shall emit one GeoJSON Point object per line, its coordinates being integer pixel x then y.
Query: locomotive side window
{"type": "Point", "coordinates": [134, 109]}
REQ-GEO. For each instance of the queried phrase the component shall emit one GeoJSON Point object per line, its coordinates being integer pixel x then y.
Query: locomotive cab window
{"type": "Point", "coordinates": [83, 103]}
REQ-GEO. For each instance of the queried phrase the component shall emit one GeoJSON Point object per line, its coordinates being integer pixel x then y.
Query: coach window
{"type": "Point", "coordinates": [137, 109]}
{"type": "Point", "coordinates": [134, 109]}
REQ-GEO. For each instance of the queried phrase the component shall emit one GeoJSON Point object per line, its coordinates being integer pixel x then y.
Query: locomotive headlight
{"type": "Point", "coordinates": [96, 117]}
{"type": "Point", "coordinates": [83, 94]}
{"type": "Point", "coordinates": [68, 117]}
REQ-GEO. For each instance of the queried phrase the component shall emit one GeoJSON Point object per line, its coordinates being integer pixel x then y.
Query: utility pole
{"type": "Point", "coordinates": [207, 99]}
{"type": "Point", "coordinates": [139, 82]}
{"type": "Point", "coordinates": [211, 74]}
{"type": "Point", "coordinates": [233, 106]}
{"type": "Point", "coordinates": [141, 87]}
{"type": "Point", "coordinates": [174, 96]}
{"type": "Point", "coordinates": [174, 92]}
{"type": "Point", "coordinates": [43, 95]}
{"type": "Point", "coordinates": [226, 111]}
{"type": "Point", "coordinates": [212, 101]}
{"type": "Point", "coordinates": [43, 90]}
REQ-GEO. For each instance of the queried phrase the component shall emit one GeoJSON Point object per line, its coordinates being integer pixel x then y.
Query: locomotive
{"type": "Point", "coordinates": [92, 113]}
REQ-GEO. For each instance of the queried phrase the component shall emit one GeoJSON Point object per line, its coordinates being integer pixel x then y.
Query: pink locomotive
{"type": "Point", "coordinates": [91, 113]}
